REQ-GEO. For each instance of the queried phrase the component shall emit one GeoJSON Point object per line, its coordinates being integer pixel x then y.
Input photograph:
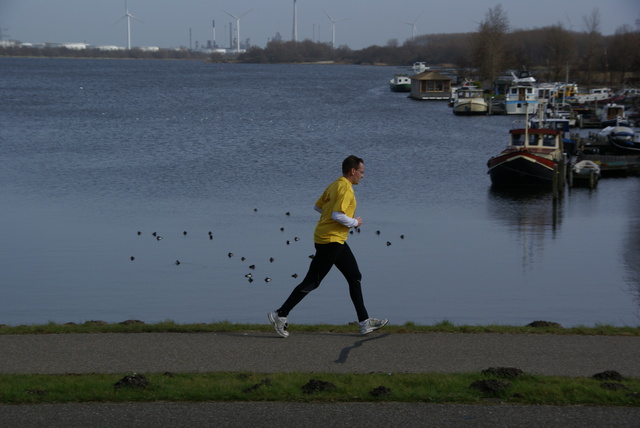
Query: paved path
{"type": "Point", "coordinates": [574, 356]}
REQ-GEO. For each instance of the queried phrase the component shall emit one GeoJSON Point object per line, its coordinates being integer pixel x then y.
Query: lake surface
{"type": "Point", "coordinates": [93, 151]}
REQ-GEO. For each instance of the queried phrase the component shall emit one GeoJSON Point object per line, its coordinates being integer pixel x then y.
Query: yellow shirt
{"type": "Point", "coordinates": [338, 196]}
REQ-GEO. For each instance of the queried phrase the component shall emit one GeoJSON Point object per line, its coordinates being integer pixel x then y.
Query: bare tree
{"type": "Point", "coordinates": [489, 53]}
{"type": "Point", "coordinates": [593, 49]}
{"type": "Point", "coordinates": [623, 52]}
{"type": "Point", "coordinates": [559, 48]}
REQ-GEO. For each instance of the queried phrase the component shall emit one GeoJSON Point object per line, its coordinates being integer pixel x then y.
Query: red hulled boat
{"type": "Point", "coordinates": [530, 159]}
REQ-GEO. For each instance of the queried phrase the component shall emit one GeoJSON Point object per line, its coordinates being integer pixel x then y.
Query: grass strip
{"type": "Point", "coordinates": [319, 387]}
{"type": "Point", "coordinates": [134, 326]}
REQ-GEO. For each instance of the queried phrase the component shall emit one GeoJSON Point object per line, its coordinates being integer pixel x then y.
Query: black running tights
{"type": "Point", "coordinates": [328, 255]}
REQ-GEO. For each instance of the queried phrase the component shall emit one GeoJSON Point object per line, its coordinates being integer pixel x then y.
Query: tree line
{"type": "Point", "coordinates": [135, 53]}
{"type": "Point", "coordinates": [554, 53]}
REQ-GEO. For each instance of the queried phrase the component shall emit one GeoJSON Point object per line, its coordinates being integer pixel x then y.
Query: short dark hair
{"type": "Point", "coordinates": [351, 162]}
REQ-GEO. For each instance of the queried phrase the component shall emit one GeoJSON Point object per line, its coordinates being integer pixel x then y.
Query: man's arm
{"type": "Point", "coordinates": [345, 220]}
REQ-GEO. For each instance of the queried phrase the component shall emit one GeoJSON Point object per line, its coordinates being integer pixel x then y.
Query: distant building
{"type": "Point", "coordinates": [108, 48]}
{"type": "Point", "coordinates": [74, 46]}
{"type": "Point", "coordinates": [430, 85]}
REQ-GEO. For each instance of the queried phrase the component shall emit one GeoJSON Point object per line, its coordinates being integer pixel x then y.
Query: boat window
{"type": "Point", "coordinates": [434, 86]}
{"type": "Point", "coordinates": [516, 139]}
{"type": "Point", "coordinates": [533, 140]}
{"type": "Point", "coordinates": [549, 141]}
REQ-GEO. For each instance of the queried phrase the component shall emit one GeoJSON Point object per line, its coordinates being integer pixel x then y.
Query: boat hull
{"type": "Point", "coordinates": [400, 83]}
{"type": "Point", "coordinates": [521, 107]}
{"type": "Point", "coordinates": [623, 139]}
{"type": "Point", "coordinates": [614, 122]}
{"type": "Point", "coordinates": [400, 87]}
{"type": "Point", "coordinates": [521, 168]}
{"type": "Point", "coordinates": [470, 107]}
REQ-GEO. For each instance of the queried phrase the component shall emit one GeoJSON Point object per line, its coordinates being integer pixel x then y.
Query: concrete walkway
{"type": "Point", "coordinates": [573, 356]}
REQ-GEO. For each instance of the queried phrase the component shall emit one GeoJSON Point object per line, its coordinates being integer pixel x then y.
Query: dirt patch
{"type": "Point", "coordinates": [314, 386]}
{"type": "Point", "coordinates": [491, 387]}
{"type": "Point", "coordinates": [503, 372]}
{"type": "Point", "coordinates": [135, 380]}
{"type": "Point", "coordinates": [608, 375]}
{"type": "Point", "coordinates": [381, 391]}
{"type": "Point", "coordinates": [543, 324]}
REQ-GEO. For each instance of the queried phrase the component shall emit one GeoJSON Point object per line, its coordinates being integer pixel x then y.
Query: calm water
{"type": "Point", "coordinates": [93, 151]}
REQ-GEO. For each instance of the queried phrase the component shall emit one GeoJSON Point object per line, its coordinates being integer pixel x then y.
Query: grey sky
{"type": "Point", "coordinates": [360, 23]}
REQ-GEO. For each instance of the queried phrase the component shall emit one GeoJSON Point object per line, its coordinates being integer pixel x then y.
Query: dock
{"type": "Point", "coordinates": [596, 148]}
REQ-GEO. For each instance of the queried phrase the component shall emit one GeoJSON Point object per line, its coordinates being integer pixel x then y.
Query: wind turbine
{"type": "Point", "coordinates": [333, 28]}
{"type": "Point", "coordinates": [413, 26]}
{"type": "Point", "coordinates": [294, 35]}
{"type": "Point", "coordinates": [128, 16]}
{"type": "Point", "coordinates": [571, 25]}
{"type": "Point", "coordinates": [237, 18]}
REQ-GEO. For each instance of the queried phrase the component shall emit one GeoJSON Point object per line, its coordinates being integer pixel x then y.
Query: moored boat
{"type": "Point", "coordinates": [559, 124]}
{"type": "Point", "coordinates": [613, 115]}
{"type": "Point", "coordinates": [531, 158]}
{"type": "Point", "coordinates": [584, 172]}
{"type": "Point", "coordinates": [561, 111]}
{"type": "Point", "coordinates": [522, 95]}
{"type": "Point", "coordinates": [419, 67]}
{"type": "Point", "coordinates": [594, 95]}
{"type": "Point", "coordinates": [470, 101]}
{"type": "Point", "coordinates": [400, 83]}
{"type": "Point", "coordinates": [622, 138]}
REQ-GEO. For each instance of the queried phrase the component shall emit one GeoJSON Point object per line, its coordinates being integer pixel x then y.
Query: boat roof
{"type": "Point", "coordinates": [534, 131]}
{"type": "Point", "coordinates": [430, 75]}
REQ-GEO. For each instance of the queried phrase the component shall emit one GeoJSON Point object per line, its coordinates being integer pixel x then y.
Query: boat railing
{"type": "Point", "coordinates": [518, 124]}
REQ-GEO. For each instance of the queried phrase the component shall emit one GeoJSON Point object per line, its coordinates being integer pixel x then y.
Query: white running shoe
{"type": "Point", "coordinates": [371, 324]}
{"type": "Point", "coordinates": [279, 324]}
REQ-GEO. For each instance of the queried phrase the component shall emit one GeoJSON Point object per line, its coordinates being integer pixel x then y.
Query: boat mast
{"type": "Point", "coordinates": [526, 123]}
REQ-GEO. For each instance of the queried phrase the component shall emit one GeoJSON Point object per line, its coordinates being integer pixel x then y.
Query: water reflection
{"type": "Point", "coordinates": [631, 251]}
{"type": "Point", "coordinates": [531, 214]}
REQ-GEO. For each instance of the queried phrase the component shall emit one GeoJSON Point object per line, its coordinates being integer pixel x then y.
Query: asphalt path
{"type": "Point", "coordinates": [560, 355]}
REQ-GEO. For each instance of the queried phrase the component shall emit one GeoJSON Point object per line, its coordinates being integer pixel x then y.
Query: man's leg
{"type": "Point", "coordinates": [325, 257]}
{"type": "Point", "coordinates": [347, 264]}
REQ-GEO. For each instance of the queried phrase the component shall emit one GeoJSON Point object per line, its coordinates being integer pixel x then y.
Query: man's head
{"type": "Point", "coordinates": [353, 169]}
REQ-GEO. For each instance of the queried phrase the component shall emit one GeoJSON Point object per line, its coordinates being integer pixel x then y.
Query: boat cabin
{"type": "Point", "coordinates": [470, 93]}
{"type": "Point", "coordinates": [536, 138]}
{"type": "Point", "coordinates": [612, 112]}
{"type": "Point", "coordinates": [522, 99]}
{"type": "Point", "coordinates": [430, 85]}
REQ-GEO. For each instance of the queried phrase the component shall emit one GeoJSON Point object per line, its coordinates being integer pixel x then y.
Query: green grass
{"type": "Point", "coordinates": [407, 328]}
{"type": "Point", "coordinates": [200, 387]}
{"type": "Point", "coordinates": [427, 387]}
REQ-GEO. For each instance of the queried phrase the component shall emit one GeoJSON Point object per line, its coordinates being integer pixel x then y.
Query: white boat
{"type": "Point", "coordinates": [613, 115]}
{"type": "Point", "coordinates": [584, 172]}
{"type": "Point", "coordinates": [546, 92]}
{"type": "Point", "coordinates": [419, 67]}
{"type": "Point", "coordinates": [400, 83]}
{"type": "Point", "coordinates": [623, 138]}
{"type": "Point", "coordinates": [469, 100]}
{"type": "Point", "coordinates": [562, 111]}
{"type": "Point", "coordinates": [597, 94]}
{"type": "Point", "coordinates": [522, 95]}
